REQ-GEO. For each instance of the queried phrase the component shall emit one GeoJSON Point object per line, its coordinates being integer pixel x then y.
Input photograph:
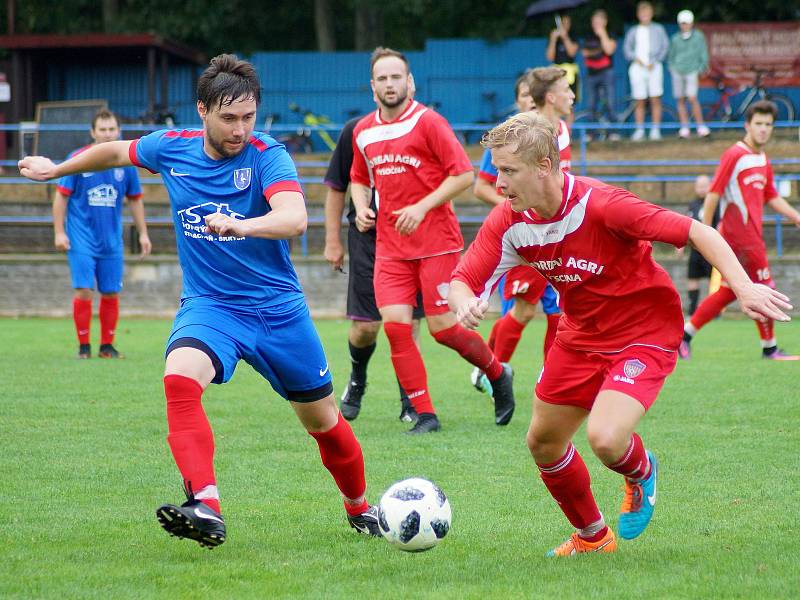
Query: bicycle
{"type": "Point", "coordinates": [722, 110]}
{"type": "Point", "coordinates": [313, 122]}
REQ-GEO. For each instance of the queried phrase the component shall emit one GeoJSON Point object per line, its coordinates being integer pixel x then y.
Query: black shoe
{"type": "Point", "coordinates": [351, 400]}
{"type": "Point", "coordinates": [108, 351]}
{"type": "Point", "coordinates": [426, 423]}
{"type": "Point", "coordinates": [193, 520]}
{"type": "Point", "coordinates": [84, 351]}
{"type": "Point", "coordinates": [503, 394]}
{"type": "Point", "coordinates": [407, 412]}
{"type": "Point", "coordinates": [366, 522]}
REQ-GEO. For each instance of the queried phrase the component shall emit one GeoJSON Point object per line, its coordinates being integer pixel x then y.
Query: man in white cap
{"type": "Point", "coordinates": [687, 59]}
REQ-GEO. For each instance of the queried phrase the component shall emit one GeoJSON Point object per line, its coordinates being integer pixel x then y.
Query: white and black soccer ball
{"type": "Point", "coordinates": [414, 515]}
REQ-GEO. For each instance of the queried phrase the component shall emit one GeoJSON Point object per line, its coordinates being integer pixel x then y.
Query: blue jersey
{"type": "Point", "coordinates": [242, 271]}
{"type": "Point", "coordinates": [94, 208]}
{"type": "Point", "coordinates": [486, 170]}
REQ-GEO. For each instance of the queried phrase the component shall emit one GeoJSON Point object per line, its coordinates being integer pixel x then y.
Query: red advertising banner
{"type": "Point", "coordinates": [738, 51]}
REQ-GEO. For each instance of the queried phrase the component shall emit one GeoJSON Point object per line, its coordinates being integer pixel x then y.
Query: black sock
{"type": "Point", "coordinates": [770, 350]}
{"type": "Point", "coordinates": [694, 296]}
{"type": "Point", "coordinates": [403, 396]}
{"type": "Point", "coordinates": [687, 337]}
{"type": "Point", "coordinates": [359, 357]}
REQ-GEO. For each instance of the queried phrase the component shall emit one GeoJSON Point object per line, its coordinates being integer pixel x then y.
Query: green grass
{"type": "Point", "coordinates": [84, 463]}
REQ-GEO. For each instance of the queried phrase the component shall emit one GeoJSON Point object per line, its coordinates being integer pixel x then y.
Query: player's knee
{"type": "Point", "coordinates": [523, 311]}
{"type": "Point", "coordinates": [542, 448]}
{"type": "Point", "coordinates": [83, 293]}
{"type": "Point", "coordinates": [364, 333]}
{"type": "Point", "coordinates": [607, 442]}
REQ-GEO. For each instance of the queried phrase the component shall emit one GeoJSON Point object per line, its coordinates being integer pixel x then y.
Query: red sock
{"type": "Point", "coordinates": [712, 306]}
{"type": "Point", "coordinates": [471, 346]}
{"type": "Point", "coordinates": [568, 482]}
{"type": "Point", "coordinates": [634, 463]}
{"type": "Point", "coordinates": [82, 315]}
{"type": "Point", "coordinates": [408, 366]}
{"type": "Point", "coordinates": [190, 437]}
{"type": "Point", "coordinates": [109, 313]}
{"type": "Point", "coordinates": [550, 334]}
{"type": "Point", "coordinates": [766, 331]}
{"type": "Point", "coordinates": [341, 454]}
{"type": "Point", "coordinates": [507, 332]}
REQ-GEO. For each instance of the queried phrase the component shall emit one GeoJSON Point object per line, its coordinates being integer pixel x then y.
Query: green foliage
{"type": "Point", "coordinates": [85, 463]}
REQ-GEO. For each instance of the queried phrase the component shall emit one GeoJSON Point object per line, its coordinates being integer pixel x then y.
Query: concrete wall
{"type": "Point", "coordinates": [40, 285]}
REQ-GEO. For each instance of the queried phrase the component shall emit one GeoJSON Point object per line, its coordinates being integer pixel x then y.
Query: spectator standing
{"type": "Point", "coordinates": [687, 59]}
{"type": "Point", "coordinates": [598, 52]}
{"type": "Point", "coordinates": [646, 46]}
{"type": "Point", "coordinates": [562, 50]}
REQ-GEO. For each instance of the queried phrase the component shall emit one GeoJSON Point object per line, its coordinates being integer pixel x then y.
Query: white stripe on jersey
{"type": "Point", "coordinates": [733, 193]}
{"type": "Point", "coordinates": [391, 131]}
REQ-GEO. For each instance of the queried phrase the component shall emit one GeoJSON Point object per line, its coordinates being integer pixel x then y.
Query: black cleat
{"type": "Point", "coordinates": [108, 351]}
{"type": "Point", "coordinates": [503, 394]}
{"type": "Point", "coordinates": [426, 423]}
{"type": "Point", "coordinates": [366, 522]}
{"type": "Point", "coordinates": [84, 351]}
{"type": "Point", "coordinates": [193, 520]}
{"type": "Point", "coordinates": [351, 400]}
{"type": "Point", "coordinates": [407, 412]}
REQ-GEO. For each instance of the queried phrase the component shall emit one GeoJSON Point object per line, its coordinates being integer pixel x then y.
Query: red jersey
{"type": "Point", "coordinates": [595, 253]}
{"type": "Point", "coordinates": [564, 150]}
{"type": "Point", "coordinates": [744, 182]}
{"type": "Point", "coordinates": [405, 160]}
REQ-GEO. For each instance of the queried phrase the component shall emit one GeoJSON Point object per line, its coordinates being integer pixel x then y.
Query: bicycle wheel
{"type": "Point", "coordinates": [785, 106]}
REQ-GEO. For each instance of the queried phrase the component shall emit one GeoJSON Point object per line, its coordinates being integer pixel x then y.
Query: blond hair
{"type": "Point", "coordinates": [541, 81]}
{"type": "Point", "coordinates": [530, 135]}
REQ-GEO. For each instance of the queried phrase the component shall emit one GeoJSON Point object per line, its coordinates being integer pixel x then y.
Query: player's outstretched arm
{"type": "Point", "coordinates": [469, 309]}
{"type": "Point", "coordinates": [95, 158]}
{"type": "Point", "coordinates": [287, 219]}
{"type": "Point", "coordinates": [757, 301]}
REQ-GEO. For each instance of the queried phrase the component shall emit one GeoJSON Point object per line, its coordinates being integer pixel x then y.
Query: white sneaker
{"type": "Point", "coordinates": [685, 133]}
{"type": "Point", "coordinates": [614, 137]}
{"type": "Point", "coordinates": [655, 134]}
{"type": "Point", "coordinates": [703, 131]}
{"type": "Point", "coordinates": [638, 135]}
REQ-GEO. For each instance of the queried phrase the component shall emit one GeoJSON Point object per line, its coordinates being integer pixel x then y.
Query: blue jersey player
{"type": "Point", "coordinates": [92, 205]}
{"type": "Point", "coordinates": [235, 201]}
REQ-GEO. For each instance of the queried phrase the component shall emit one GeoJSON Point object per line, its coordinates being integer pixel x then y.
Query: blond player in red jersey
{"type": "Point", "coordinates": [411, 157]}
{"type": "Point", "coordinates": [618, 337]}
{"type": "Point", "coordinates": [742, 185]}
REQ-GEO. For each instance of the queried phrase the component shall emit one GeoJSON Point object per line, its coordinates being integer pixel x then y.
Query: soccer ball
{"type": "Point", "coordinates": [414, 515]}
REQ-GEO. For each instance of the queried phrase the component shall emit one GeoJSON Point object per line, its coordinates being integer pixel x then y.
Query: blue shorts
{"type": "Point", "coordinates": [550, 301]}
{"type": "Point", "coordinates": [107, 271]}
{"type": "Point", "coordinates": [279, 342]}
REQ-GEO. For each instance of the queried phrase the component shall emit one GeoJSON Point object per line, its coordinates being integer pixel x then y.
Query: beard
{"type": "Point", "coordinates": [219, 146]}
{"type": "Point", "coordinates": [399, 99]}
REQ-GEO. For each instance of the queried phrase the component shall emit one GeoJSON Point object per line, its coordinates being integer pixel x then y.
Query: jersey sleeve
{"type": "Point", "coordinates": [359, 172]}
{"type": "Point", "coordinates": [770, 191]}
{"type": "Point", "coordinates": [633, 218]}
{"type": "Point", "coordinates": [277, 172]}
{"type": "Point", "coordinates": [445, 145]}
{"type": "Point", "coordinates": [489, 256]}
{"type": "Point", "coordinates": [338, 174]}
{"type": "Point", "coordinates": [487, 171]}
{"type": "Point", "coordinates": [144, 152]}
{"type": "Point", "coordinates": [133, 185]}
{"type": "Point", "coordinates": [724, 171]}
{"type": "Point", "coordinates": [67, 184]}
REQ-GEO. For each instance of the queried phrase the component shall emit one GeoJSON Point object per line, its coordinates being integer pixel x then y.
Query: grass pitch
{"type": "Point", "coordinates": [84, 464]}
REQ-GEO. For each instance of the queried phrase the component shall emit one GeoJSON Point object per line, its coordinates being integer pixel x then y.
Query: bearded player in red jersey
{"type": "Point", "coordinates": [618, 337]}
{"type": "Point", "coordinates": [744, 182]}
{"type": "Point", "coordinates": [411, 157]}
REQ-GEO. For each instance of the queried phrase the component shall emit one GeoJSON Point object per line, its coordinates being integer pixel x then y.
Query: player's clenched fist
{"type": "Point", "coordinates": [38, 168]}
{"type": "Point", "coordinates": [224, 225]}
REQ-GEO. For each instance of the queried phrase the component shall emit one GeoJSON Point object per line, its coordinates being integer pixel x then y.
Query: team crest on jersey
{"type": "Point", "coordinates": [634, 367]}
{"type": "Point", "coordinates": [119, 174]}
{"type": "Point", "coordinates": [241, 178]}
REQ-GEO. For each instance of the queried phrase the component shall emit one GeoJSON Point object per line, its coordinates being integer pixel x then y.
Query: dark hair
{"type": "Point", "coordinates": [227, 79]}
{"type": "Point", "coordinates": [762, 107]}
{"type": "Point", "coordinates": [518, 84]}
{"type": "Point", "coordinates": [381, 52]}
{"type": "Point", "coordinates": [104, 113]}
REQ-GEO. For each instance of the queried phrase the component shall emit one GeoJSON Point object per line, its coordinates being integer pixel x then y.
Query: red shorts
{"type": "Point", "coordinates": [575, 377]}
{"type": "Point", "coordinates": [524, 283]}
{"type": "Point", "coordinates": [755, 263]}
{"type": "Point", "coordinates": [398, 281]}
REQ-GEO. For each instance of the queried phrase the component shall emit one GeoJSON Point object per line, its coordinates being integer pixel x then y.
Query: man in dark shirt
{"type": "Point", "coordinates": [598, 50]}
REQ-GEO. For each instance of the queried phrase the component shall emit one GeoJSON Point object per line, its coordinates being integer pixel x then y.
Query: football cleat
{"type": "Point", "coordinates": [503, 394]}
{"type": "Point", "coordinates": [108, 351]}
{"type": "Point", "coordinates": [639, 503]}
{"type": "Point", "coordinates": [779, 354]}
{"type": "Point", "coordinates": [351, 400]}
{"type": "Point", "coordinates": [407, 412]}
{"type": "Point", "coordinates": [84, 351]}
{"type": "Point", "coordinates": [684, 350]}
{"type": "Point", "coordinates": [480, 381]}
{"type": "Point", "coordinates": [426, 423]}
{"type": "Point", "coordinates": [366, 522]}
{"type": "Point", "coordinates": [577, 545]}
{"type": "Point", "coordinates": [193, 520]}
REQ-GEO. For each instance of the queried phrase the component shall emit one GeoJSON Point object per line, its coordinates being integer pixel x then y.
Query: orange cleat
{"type": "Point", "coordinates": [576, 544]}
